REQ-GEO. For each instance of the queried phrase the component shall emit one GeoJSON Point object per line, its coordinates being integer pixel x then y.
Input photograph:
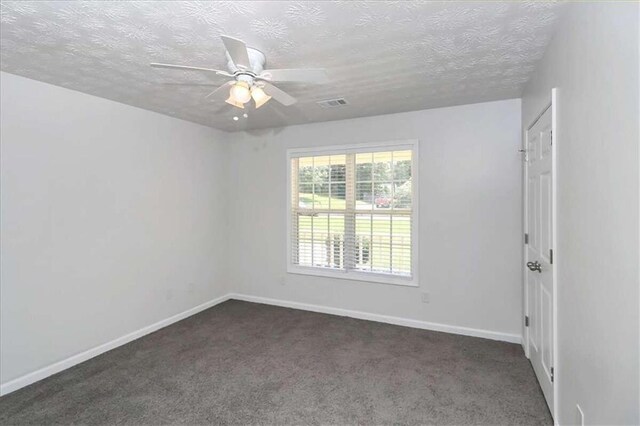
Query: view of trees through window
{"type": "Point", "coordinates": [353, 211]}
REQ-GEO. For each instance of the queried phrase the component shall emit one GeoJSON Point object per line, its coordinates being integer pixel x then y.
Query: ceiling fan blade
{"type": "Point", "coordinates": [237, 50]}
{"type": "Point", "coordinates": [187, 68]}
{"type": "Point", "coordinates": [277, 94]}
{"type": "Point", "coordinates": [315, 75]}
{"type": "Point", "coordinates": [220, 92]}
{"type": "Point", "coordinates": [189, 84]}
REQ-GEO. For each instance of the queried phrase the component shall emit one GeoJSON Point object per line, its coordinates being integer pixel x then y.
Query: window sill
{"type": "Point", "coordinates": [371, 277]}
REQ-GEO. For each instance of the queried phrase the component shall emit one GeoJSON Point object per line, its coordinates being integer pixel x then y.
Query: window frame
{"type": "Point", "coordinates": [373, 277]}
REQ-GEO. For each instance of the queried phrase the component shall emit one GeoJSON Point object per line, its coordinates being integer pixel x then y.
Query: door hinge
{"type": "Point", "coordinates": [551, 257]}
{"type": "Point", "coordinates": [551, 137]}
{"type": "Point", "coordinates": [526, 238]}
{"type": "Point", "coordinates": [526, 321]}
{"type": "Point", "coordinates": [552, 374]}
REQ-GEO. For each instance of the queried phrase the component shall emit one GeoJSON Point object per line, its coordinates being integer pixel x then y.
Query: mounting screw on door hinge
{"type": "Point", "coordinates": [552, 374]}
{"type": "Point", "coordinates": [526, 321]}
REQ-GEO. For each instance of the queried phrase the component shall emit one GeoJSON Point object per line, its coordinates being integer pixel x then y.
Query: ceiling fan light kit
{"type": "Point", "coordinates": [250, 79]}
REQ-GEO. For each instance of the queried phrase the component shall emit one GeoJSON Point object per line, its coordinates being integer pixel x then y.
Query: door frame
{"type": "Point", "coordinates": [553, 104]}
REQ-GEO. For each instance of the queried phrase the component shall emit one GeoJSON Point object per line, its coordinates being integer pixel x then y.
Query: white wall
{"type": "Point", "coordinates": [112, 219]}
{"type": "Point", "coordinates": [593, 61]}
{"type": "Point", "coordinates": [470, 216]}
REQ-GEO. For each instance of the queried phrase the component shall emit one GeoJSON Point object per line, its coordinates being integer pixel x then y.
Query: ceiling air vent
{"type": "Point", "coordinates": [332, 103]}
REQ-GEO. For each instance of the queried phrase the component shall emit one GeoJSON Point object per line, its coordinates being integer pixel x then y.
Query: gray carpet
{"type": "Point", "coordinates": [245, 363]}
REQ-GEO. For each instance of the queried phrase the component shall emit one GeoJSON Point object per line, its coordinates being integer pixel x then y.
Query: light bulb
{"type": "Point", "coordinates": [240, 92]}
{"type": "Point", "coordinates": [235, 118]}
{"type": "Point", "coordinates": [259, 96]}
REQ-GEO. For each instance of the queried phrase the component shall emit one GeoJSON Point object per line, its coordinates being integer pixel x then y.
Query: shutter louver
{"type": "Point", "coordinates": [353, 212]}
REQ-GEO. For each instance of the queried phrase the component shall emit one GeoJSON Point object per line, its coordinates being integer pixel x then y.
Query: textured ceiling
{"type": "Point", "coordinates": [383, 57]}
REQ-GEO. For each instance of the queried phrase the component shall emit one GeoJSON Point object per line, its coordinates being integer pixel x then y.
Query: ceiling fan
{"type": "Point", "coordinates": [249, 78]}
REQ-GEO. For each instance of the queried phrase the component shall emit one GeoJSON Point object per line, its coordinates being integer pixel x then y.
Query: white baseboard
{"type": "Point", "coordinates": [49, 370]}
{"type": "Point", "coordinates": [454, 329]}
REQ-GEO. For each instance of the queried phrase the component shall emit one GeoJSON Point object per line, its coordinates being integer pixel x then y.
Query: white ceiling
{"type": "Point", "coordinates": [383, 57]}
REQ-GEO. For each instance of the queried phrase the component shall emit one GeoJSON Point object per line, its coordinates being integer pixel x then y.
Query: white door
{"type": "Point", "coordinates": [539, 252]}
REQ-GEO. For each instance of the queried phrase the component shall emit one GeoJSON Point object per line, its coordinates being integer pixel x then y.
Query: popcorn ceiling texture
{"type": "Point", "coordinates": [382, 56]}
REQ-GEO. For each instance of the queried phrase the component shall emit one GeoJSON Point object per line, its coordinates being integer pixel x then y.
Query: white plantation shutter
{"type": "Point", "coordinates": [352, 211]}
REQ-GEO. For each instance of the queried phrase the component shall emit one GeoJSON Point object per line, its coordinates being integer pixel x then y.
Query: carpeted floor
{"type": "Point", "coordinates": [245, 363]}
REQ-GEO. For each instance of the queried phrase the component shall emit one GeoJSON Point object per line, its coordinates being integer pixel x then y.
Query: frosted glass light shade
{"type": "Point", "coordinates": [232, 101]}
{"type": "Point", "coordinates": [240, 92]}
{"type": "Point", "coordinates": [259, 96]}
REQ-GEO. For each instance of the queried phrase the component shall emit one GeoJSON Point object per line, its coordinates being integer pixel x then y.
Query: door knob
{"type": "Point", "coordinates": [534, 266]}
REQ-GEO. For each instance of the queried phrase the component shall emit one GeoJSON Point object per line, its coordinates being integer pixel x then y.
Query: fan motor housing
{"type": "Point", "coordinates": [257, 59]}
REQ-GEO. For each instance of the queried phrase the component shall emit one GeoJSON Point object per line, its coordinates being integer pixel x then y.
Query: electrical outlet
{"type": "Point", "coordinates": [425, 297]}
{"type": "Point", "coordinates": [579, 415]}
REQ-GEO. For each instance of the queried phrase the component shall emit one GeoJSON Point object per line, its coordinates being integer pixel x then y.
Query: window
{"type": "Point", "coordinates": [352, 212]}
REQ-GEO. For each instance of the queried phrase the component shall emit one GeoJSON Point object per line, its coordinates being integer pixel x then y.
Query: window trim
{"type": "Point", "coordinates": [373, 277]}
